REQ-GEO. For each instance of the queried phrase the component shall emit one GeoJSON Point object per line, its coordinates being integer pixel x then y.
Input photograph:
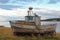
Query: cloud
{"type": "Point", "coordinates": [9, 7]}
{"type": "Point", "coordinates": [27, 0]}
{"type": "Point", "coordinates": [15, 12]}
{"type": "Point", "coordinates": [18, 12]}
{"type": "Point", "coordinates": [24, 3]}
{"type": "Point", "coordinates": [4, 1]}
{"type": "Point", "coordinates": [9, 18]}
{"type": "Point", "coordinates": [44, 13]}
{"type": "Point", "coordinates": [53, 1]}
{"type": "Point", "coordinates": [11, 4]}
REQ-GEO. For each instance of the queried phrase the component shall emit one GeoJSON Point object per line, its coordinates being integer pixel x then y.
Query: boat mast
{"type": "Point", "coordinates": [30, 11]}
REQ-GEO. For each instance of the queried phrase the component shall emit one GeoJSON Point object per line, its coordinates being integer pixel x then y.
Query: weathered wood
{"type": "Point", "coordinates": [34, 29]}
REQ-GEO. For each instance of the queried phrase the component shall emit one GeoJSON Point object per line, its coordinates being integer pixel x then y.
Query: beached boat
{"type": "Point", "coordinates": [32, 26]}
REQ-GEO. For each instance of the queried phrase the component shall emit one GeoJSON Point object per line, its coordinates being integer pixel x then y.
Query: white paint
{"type": "Point", "coordinates": [37, 20]}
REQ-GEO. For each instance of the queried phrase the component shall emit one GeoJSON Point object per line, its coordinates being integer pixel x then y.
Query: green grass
{"type": "Point", "coordinates": [6, 34]}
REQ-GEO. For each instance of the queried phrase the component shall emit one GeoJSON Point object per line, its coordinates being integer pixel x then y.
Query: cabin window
{"type": "Point", "coordinates": [30, 18]}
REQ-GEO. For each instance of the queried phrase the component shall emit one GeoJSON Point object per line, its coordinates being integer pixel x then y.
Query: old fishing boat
{"type": "Point", "coordinates": [32, 26]}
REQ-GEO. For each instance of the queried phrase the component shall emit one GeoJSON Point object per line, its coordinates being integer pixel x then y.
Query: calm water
{"type": "Point", "coordinates": [7, 24]}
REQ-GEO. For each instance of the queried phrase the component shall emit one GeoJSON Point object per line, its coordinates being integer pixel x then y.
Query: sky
{"type": "Point", "coordinates": [17, 9]}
